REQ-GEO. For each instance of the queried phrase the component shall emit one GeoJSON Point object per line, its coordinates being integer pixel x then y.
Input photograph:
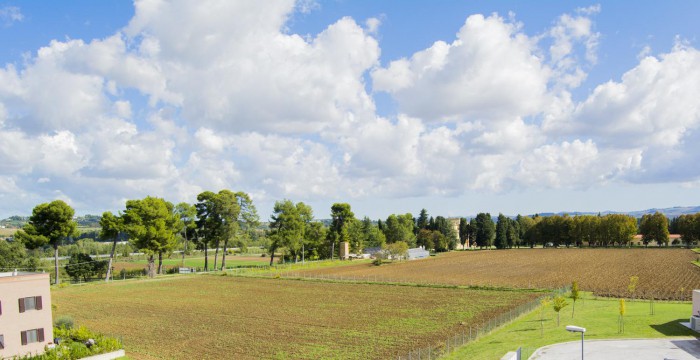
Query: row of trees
{"type": "Point", "coordinates": [152, 225]}
{"type": "Point", "coordinates": [556, 230]}
{"type": "Point", "coordinates": [227, 218]}
{"type": "Point", "coordinates": [689, 228]}
{"type": "Point", "coordinates": [294, 232]}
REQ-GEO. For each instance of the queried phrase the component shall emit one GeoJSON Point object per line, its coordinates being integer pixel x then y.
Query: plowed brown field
{"type": "Point", "coordinates": [663, 273]}
{"type": "Point", "coordinates": [216, 317]}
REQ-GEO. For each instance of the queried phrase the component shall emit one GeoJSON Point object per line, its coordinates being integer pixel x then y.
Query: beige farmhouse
{"type": "Point", "coordinates": [455, 226]}
{"type": "Point", "coordinates": [25, 313]}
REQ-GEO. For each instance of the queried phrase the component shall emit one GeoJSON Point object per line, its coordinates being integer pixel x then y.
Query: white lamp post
{"type": "Point", "coordinates": [577, 329]}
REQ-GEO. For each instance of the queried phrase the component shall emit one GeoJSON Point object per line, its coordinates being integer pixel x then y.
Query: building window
{"type": "Point", "coordinates": [30, 303]}
{"type": "Point", "coordinates": [2, 342]}
{"type": "Point", "coordinates": [32, 336]}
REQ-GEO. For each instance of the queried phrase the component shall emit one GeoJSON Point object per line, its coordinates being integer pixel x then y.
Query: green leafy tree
{"type": "Point", "coordinates": [425, 239]}
{"type": "Point", "coordinates": [513, 233]}
{"type": "Point", "coordinates": [307, 217]}
{"type": "Point", "coordinates": [188, 217]}
{"type": "Point", "coordinates": [464, 232]}
{"type": "Point", "coordinates": [558, 303]}
{"type": "Point", "coordinates": [315, 240]}
{"type": "Point", "coordinates": [654, 227]}
{"type": "Point", "coordinates": [472, 232]}
{"type": "Point", "coordinates": [442, 243]}
{"type": "Point", "coordinates": [397, 250]}
{"type": "Point", "coordinates": [228, 211]}
{"type": "Point", "coordinates": [617, 229]}
{"type": "Point", "coordinates": [110, 227]}
{"type": "Point", "coordinates": [246, 221]}
{"type": "Point", "coordinates": [502, 232]}
{"type": "Point", "coordinates": [524, 224]}
{"type": "Point", "coordinates": [574, 296]}
{"type": "Point", "coordinates": [50, 224]}
{"type": "Point", "coordinates": [13, 255]}
{"type": "Point", "coordinates": [392, 229]}
{"type": "Point", "coordinates": [529, 232]}
{"type": "Point", "coordinates": [590, 229]}
{"type": "Point", "coordinates": [485, 230]}
{"type": "Point", "coordinates": [621, 319]}
{"type": "Point", "coordinates": [341, 217]}
{"type": "Point", "coordinates": [357, 235]}
{"type": "Point", "coordinates": [151, 225]}
{"type": "Point", "coordinates": [373, 236]}
{"type": "Point", "coordinates": [400, 228]}
{"type": "Point", "coordinates": [83, 266]}
{"type": "Point", "coordinates": [445, 227]}
{"type": "Point", "coordinates": [689, 228]}
{"type": "Point", "coordinates": [422, 222]}
{"type": "Point", "coordinates": [554, 229]}
{"type": "Point", "coordinates": [287, 228]}
{"type": "Point", "coordinates": [207, 223]}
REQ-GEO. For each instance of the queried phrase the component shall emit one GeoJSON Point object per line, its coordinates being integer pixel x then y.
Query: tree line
{"type": "Point", "coordinates": [227, 219]}
{"type": "Point", "coordinates": [580, 230]}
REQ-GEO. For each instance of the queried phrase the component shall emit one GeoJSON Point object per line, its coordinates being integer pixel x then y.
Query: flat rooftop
{"type": "Point", "coordinates": [18, 273]}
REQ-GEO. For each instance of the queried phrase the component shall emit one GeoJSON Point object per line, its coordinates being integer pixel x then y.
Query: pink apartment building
{"type": "Point", "coordinates": [26, 326]}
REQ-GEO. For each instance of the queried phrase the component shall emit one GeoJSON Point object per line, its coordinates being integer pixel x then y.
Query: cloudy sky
{"type": "Point", "coordinates": [392, 106]}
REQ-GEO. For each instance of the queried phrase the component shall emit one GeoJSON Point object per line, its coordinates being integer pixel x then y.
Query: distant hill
{"type": "Point", "coordinates": [669, 212]}
{"type": "Point", "coordinates": [15, 222]}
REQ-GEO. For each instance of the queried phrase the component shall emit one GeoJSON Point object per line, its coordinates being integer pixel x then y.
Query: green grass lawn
{"type": "Point", "coordinates": [599, 317]}
{"type": "Point", "coordinates": [199, 261]}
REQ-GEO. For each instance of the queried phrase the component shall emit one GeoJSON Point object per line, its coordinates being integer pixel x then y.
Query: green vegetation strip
{"type": "Point", "coordinates": [599, 317]}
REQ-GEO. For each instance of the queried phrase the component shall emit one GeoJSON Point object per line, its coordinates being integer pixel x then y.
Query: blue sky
{"type": "Point", "coordinates": [393, 106]}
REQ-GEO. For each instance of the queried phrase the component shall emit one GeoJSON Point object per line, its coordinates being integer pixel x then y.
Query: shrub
{"type": "Point", "coordinates": [127, 274]}
{"type": "Point", "coordinates": [81, 333]}
{"type": "Point", "coordinates": [64, 322]}
{"type": "Point", "coordinates": [78, 350]}
{"type": "Point", "coordinates": [72, 345]}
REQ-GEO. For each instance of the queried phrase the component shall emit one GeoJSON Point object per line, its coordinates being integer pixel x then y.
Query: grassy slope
{"type": "Point", "coordinates": [599, 317]}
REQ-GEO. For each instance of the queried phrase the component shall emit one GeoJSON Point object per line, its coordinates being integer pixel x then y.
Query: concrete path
{"type": "Point", "coordinates": [646, 349]}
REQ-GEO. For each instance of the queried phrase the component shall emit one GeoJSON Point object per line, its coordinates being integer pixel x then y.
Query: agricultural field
{"type": "Point", "coordinates": [662, 273]}
{"type": "Point", "coordinates": [7, 232]}
{"type": "Point", "coordinates": [212, 316]}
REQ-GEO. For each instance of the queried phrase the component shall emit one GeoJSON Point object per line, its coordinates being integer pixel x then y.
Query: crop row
{"type": "Point", "coordinates": [661, 273]}
{"type": "Point", "coordinates": [206, 316]}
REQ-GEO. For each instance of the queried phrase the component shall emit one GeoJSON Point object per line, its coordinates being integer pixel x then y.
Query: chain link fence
{"type": "Point", "coordinates": [473, 333]}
